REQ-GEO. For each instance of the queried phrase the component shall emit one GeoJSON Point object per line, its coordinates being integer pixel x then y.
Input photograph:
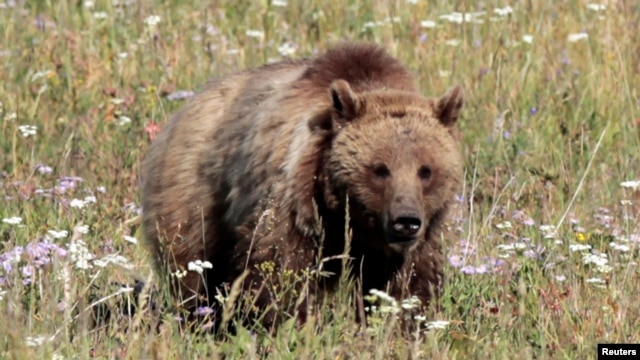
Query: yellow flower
{"type": "Point", "coordinates": [581, 237]}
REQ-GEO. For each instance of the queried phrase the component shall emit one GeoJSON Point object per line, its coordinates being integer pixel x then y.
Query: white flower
{"type": "Point", "coordinates": [595, 281]}
{"type": "Point", "coordinates": [503, 11]}
{"type": "Point", "coordinates": [152, 20]}
{"type": "Point", "coordinates": [287, 49]}
{"type": "Point", "coordinates": [179, 274]}
{"type": "Point", "coordinates": [90, 199]}
{"type": "Point", "coordinates": [438, 324]}
{"type": "Point", "coordinates": [14, 220]}
{"type": "Point", "coordinates": [279, 3]}
{"type": "Point", "coordinates": [80, 255]}
{"type": "Point", "coordinates": [579, 247]}
{"type": "Point", "coordinates": [577, 37]}
{"type": "Point", "coordinates": [255, 34]}
{"type": "Point", "coordinates": [527, 38]}
{"type": "Point", "coordinates": [28, 130]}
{"type": "Point", "coordinates": [619, 247]}
{"type": "Point", "coordinates": [130, 239]}
{"type": "Point", "coordinates": [2, 294]}
{"type": "Point", "coordinates": [382, 296]}
{"type": "Point", "coordinates": [40, 75]}
{"type": "Point", "coordinates": [444, 73]}
{"type": "Point", "coordinates": [34, 341]}
{"type": "Point", "coordinates": [82, 229]}
{"type": "Point", "coordinates": [411, 303]}
{"type": "Point", "coordinates": [420, 318]}
{"type": "Point", "coordinates": [633, 185]}
{"type": "Point", "coordinates": [124, 120]}
{"type": "Point", "coordinates": [58, 234]}
{"type": "Point", "coordinates": [459, 18]}
{"type": "Point", "coordinates": [77, 203]}
{"type": "Point", "coordinates": [597, 7]}
{"type": "Point", "coordinates": [561, 278]}
{"type": "Point", "coordinates": [453, 42]}
{"type": "Point", "coordinates": [428, 24]}
{"type": "Point", "coordinates": [113, 259]}
{"type": "Point", "coordinates": [100, 15]}
{"type": "Point", "coordinates": [504, 225]}
{"type": "Point", "coordinates": [199, 266]}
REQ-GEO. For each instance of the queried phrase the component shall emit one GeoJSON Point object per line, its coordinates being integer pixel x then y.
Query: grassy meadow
{"type": "Point", "coordinates": [545, 262]}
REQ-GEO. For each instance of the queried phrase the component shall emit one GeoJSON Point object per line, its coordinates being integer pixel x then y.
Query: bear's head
{"type": "Point", "coordinates": [395, 155]}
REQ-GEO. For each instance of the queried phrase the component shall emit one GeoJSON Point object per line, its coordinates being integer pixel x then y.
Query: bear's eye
{"type": "Point", "coordinates": [424, 172]}
{"type": "Point", "coordinates": [381, 171]}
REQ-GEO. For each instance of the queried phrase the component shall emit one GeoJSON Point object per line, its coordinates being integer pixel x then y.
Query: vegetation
{"type": "Point", "coordinates": [546, 261]}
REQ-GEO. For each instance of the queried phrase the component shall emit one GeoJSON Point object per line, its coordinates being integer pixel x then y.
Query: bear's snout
{"type": "Point", "coordinates": [406, 226]}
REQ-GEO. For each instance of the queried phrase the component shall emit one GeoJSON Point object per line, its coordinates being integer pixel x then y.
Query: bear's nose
{"type": "Point", "coordinates": [405, 226]}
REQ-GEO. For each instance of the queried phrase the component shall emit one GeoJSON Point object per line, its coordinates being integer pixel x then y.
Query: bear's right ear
{"type": "Point", "coordinates": [345, 106]}
{"type": "Point", "coordinates": [344, 102]}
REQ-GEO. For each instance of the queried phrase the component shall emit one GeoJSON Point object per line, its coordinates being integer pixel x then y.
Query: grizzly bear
{"type": "Point", "coordinates": [272, 165]}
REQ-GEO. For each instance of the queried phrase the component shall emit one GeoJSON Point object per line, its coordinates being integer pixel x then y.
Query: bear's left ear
{"type": "Point", "coordinates": [449, 106]}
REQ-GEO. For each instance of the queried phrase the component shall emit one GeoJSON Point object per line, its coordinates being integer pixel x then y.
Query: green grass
{"type": "Point", "coordinates": [550, 130]}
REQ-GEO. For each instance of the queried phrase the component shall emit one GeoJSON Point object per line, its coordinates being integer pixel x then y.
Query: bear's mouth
{"type": "Point", "coordinates": [401, 244]}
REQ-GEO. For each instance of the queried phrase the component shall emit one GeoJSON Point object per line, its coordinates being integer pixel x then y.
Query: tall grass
{"type": "Point", "coordinates": [546, 265]}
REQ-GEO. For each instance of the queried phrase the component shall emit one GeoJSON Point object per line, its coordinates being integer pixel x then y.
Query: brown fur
{"type": "Point", "coordinates": [239, 176]}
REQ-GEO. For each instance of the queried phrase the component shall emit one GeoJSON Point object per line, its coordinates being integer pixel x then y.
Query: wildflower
{"type": "Point", "coordinates": [420, 318]}
{"type": "Point", "coordinates": [14, 220]}
{"type": "Point", "coordinates": [41, 75]}
{"type": "Point", "coordinates": [77, 203]}
{"type": "Point", "coordinates": [27, 130]}
{"type": "Point", "coordinates": [503, 11]}
{"type": "Point", "coordinates": [2, 294]}
{"type": "Point", "coordinates": [100, 15]}
{"type": "Point", "coordinates": [597, 7]}
{"type": "Point", "coordinates": [44, 169]}
{"type": "Point", "coordinates": [577, 37]}
{"type": "Point", "coordinates": [179, 95]}
{"type": "Point", "coordinates": [527, 38]}
{"type": "Point", "coordinates": [455, 260]}
{"type": "Point", "coordinates": [255, 34]}
{"type": "Point", "coordinates": [382, 296]}
{"type": "Point", "coordinates": [633, 185]}
{"type": "Point", "coordinates": [411, 303]}
{"type": "Point", "coordinates": [619, 247]}
{"type": "Point", "coordinates": [287, 49]}
{"type": "Point", "coordinates": [595, 281]}
{"type": "Point", "coordinates": [453, 42]}
{"type": "Point", "coordinates": [152, 129]}
{"type": "Point", "coordinates": [80, 255]}
{"type": "Point", "coordinates": [438, 324]}
{"type": "Point", "coordinates": [58, 234]}
{"type": "Point", "coordinates": [459, 18]}
{"type": "Point", "coordinates": [113, 259]}
{"type": "Point", "coordinates": [203, 311]}
{"type": "Point", "coordinates": [179, 274]}
{"type": "Point", "coordinates": [579, 247]}
{"type": "Point", "coordinates": [35, 341]}
{"type": "Point", "coordinates": [560, 278]}
{"type": "Point", "coordinates": [130, 239]}
{"type": "Point", "coordinates": [428, 24]}
{"type": "Point", "coordinates": [199, 266]}
{"type": "Point", "coordinates": [123, 120]}
{"type": "Point", "coordinates": [152, 20]}
{"type": "Point", "coordinates": [279, 3]}
{"type": "Point", "coordinates": [81, 229]}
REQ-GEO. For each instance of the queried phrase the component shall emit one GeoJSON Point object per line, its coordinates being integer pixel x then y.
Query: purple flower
{"type": "Point", "coordinates": [67, 183]}
{"type": "Point", "coordinates": [533, 110]}
{"type": "Point", "coordinates": [44, 169]}
{"type": "Point", "coordinates": [203, 311]}
{"type": "Point", "coordinates": [455, 260]}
